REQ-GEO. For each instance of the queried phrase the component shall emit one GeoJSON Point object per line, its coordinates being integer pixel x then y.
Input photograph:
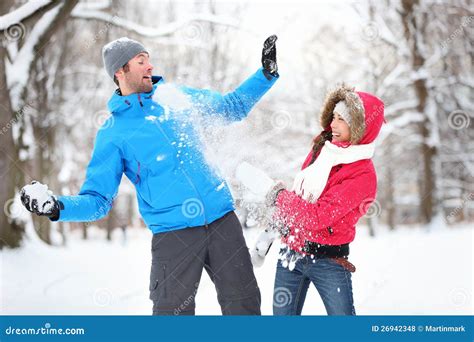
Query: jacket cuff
{"type": "Point", "coordinates": [57, 213]}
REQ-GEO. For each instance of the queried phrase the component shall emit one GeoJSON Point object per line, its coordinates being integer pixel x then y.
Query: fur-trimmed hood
{"type": "Point", "coordinates": [366, 111]}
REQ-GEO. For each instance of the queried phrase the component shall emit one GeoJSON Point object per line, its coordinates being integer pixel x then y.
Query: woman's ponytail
{"type": "Point", "coordinates": [318, 143]}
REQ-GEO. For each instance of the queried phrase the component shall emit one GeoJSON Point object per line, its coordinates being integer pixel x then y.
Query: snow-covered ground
{"type": "Point", "coordinates": [410, 271]}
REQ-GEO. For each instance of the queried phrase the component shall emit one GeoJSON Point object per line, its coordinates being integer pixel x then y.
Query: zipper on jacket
{"type": "Point", "coordinates": [140, 101]}
{"type": "Point", "coordinates": [182, 169]}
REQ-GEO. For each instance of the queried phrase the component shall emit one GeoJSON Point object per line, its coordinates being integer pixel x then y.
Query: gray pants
{"type": "Point", "coordinates": [178, 258]}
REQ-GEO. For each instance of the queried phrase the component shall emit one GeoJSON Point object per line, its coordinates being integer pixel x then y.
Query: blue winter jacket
{"type": "Point", "coordinates": [159, 151]}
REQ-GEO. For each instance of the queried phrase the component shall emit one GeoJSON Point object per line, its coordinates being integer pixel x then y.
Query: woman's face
{"type": "Point", "coordinates": [340, 129]}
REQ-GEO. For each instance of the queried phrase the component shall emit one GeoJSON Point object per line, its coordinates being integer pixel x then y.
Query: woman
{"type": "Point", "coordinates": [333, 191]}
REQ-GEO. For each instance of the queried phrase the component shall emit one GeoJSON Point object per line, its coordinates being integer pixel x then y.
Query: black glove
{"type": "Point", "coordinates": [38, 200]}
{"type": "Point", "coordinates": [269, 60]}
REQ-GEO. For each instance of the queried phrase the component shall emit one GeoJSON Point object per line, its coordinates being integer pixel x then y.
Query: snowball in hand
{"type": "Point", "coordinates": [41, 194]}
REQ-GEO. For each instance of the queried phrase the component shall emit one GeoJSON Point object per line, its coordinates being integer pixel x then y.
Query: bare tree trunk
{"type": "Point", "coordinates": [370, 225]}
{"type": "Point", "coordinates": [413, 30]}
{"type": "Point", "coordinates": [62, 232]}
{"type": "Point", "coordinates": [43, 141]}
{"type": "Point", "coordinates": [84, 230]}
{"type": "Point", "coordinates": [11, 169]}
{"type": "Point", "coordinates": [11, 230]}
{"type": "Point", "coordinates": [390, 191]}
{"type": "Point", "coordinates": [110, 222]}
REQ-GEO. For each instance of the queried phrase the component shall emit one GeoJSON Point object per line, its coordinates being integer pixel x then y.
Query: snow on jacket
{"type": "Point", "coordinates": [158, 149]}
{"type": "Point", "coordinates": [350, 189]}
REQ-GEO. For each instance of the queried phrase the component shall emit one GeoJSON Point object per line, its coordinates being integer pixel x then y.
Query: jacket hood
{"type": "Point", "coordinates": [366, 110]}
{"type": "Point", "coordinates": [119, 103]}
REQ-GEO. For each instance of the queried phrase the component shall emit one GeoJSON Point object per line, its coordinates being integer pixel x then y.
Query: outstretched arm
{"type": "Point", "coordinates": [103, 177]}
{"type": "Point", "coordinates": [97, 193]}
{"type": "Point", "coordinates": [236, 105]}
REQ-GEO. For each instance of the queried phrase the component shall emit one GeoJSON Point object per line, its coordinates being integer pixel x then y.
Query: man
{"type": "Point", "coordinates": [184, 203]}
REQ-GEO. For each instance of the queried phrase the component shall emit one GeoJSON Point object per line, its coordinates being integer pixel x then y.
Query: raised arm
{"type": "Point", "coordinates": [236, 105]}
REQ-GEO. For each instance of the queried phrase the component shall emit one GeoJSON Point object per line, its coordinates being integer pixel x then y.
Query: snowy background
{"type": "Point", "coordinates": [413, 250]}
{"type": "Point", "coordinates": [406, 272]}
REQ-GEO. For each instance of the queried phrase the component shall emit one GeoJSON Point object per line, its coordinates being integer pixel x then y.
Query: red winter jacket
{"type": "Point", "coordinates": [350, 190]}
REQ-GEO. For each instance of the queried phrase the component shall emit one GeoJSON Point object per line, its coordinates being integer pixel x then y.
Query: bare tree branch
{"type": "Point", "coordinates": [81, 12]}
{"type": "Point", "coordinates": [23, 12]}
{"type": "Point", "coordinates": [33, 44]}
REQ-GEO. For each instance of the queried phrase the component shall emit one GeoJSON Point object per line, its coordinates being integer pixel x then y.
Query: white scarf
{"type": "Point", "coordinates": [310, 182]}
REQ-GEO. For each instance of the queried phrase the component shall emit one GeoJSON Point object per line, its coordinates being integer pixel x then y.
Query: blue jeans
{"type": "Point", "coordinates": [332, 281]}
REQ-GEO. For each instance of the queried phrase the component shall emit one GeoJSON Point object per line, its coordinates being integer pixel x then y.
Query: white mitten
{"type": "Point", "coordinates": [262, 188]}
{"type": "Point", "coordinates": [254, 179]}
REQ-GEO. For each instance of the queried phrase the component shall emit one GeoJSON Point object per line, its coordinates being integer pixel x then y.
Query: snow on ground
{"type": "Point", "coordinates": [405, 272]}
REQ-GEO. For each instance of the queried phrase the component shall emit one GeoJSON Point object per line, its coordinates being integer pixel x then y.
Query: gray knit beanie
{"type": "Point", "coordinates": [118, 52]}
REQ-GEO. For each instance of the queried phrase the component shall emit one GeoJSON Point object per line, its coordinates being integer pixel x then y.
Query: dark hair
{"type": "Point", "coordinates": [318, 143]}
{"type": "Point", "coordinates": [126, 68]}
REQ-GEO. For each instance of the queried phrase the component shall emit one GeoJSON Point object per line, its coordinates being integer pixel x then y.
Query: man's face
{"type": "Point", "coordinates": [136, 76]}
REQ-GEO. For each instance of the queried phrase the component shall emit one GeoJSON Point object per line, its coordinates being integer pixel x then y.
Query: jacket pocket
{"type": "Point", "coordinates": [158, 280]}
